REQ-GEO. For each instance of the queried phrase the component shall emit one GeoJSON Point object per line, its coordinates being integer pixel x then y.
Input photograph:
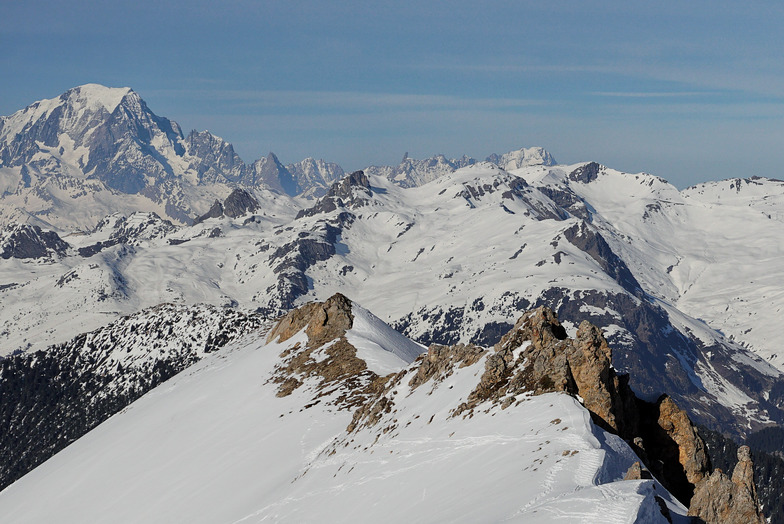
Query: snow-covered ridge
{"type": "Point", "coordinates": [76, 101]}
{"type": "Point", "coordinates": [224, 420]}
{"type": "Point", "coordinates": [381, 347]}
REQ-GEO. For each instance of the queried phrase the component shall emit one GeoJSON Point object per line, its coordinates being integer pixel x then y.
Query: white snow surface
{"type": "Point", "coordinates": [96, 95]}
{"type": "Point", "coordinates": [383, 349]}
{"type": "Point", "coordinates": [216, 445]}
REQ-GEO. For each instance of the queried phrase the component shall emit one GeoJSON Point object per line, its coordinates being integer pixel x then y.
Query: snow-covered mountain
{"type": "Point", "coordinates": [414, 173]}
{"type": "Point", "coordinates": [67, 162]}
{"type": "Point", "coordinates": [334, 418]}
{"type": "Point", "coordinates": [454, 260]}
{"type": "Point", "coordinates": [531, 156]}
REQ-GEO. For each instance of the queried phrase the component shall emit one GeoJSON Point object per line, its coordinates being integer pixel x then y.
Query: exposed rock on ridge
{"type": "Point", "coordinates": [536, 356]}
{"type": "Point", "coordinates": [729, 501]}
{"type": "Point", "coordinates": [327, 357]}
{"type": "Point", "coordinates": [349, 192]}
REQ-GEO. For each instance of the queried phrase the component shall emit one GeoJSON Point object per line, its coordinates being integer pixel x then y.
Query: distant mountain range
{"type": "Point", "coordinates": [68, 161]}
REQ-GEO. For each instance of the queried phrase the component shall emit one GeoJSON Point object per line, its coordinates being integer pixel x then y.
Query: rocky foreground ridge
{"type": "Point", "coordinates": [349, 408]}
{"type": "Point", "coordinates": [533, 358]}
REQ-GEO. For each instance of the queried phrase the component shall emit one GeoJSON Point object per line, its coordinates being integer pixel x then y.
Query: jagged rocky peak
{"type": "Point", "coordinates": [345, 347]}
{"type": "Point", "coordinates": [586, 174]}
{"type": "Point", "coordinates": [328, 358]}
{"type": "Point", "coordinates": [314, 177]}
{"type": "Point", "coordinates": [344, 188]}
{"type": "Point", "coordinates": [537, 356]}
{"type": "Point", "coordinates": [270, 172]}
{"type": "Point", "coordinates": [351, 191]}
{"type": "Point", "coordinates": [213, 158]}
{"type": "Point", "coordinates": [238, 203]}
{"type": "Point", "coordinates": [414, 173]}
{"type": "Point", "coordinates": [30, 241]}
{"type": "Point", "coordinates": [215, 211]}
{"type": "Point", "coordinates": [719, 499]}
{"type": "Point", "coordinates": [322, 321]}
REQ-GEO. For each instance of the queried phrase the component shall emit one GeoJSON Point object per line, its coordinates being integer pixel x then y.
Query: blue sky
{"type": "Point", "coordinates": [690, 91]}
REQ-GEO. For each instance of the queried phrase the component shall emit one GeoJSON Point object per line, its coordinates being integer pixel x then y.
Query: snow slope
{"type": "Point", "coordinates": [216, 444]}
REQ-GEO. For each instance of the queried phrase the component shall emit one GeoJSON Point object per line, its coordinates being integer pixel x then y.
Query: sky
{"type": "Point", "coordinates": [689, 91]}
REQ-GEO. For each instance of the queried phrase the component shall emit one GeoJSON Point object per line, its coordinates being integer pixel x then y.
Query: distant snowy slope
{"type": "Point", "coordinates": [454, 260]}
{"type": "Point", "coordinates": [711, 250]}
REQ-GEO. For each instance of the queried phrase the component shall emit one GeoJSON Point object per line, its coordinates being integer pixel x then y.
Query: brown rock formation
{"type": "Point", "coordinates": [325, 324]}
{"type": "Point", "coordinates": [718, 499]}
{"type": "Point", "coordinates": [691, 448]}
{"type": "Point", "coordinates": [322, 321]}
{"type": "Point", "coordinates": [637, 472]}
{"type": "Point", "coordinates": [536, 356]}
{"type": "Point", "coordinates": [547, 360]}
{"type": "Point", "coordinates": [673, 450]}
{"type": "Point", "coordinates": [440, 361]}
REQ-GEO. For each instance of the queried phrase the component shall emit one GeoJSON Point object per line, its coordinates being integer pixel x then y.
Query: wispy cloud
{"type": "Point", "coordinates": [652, 94]}
{"type": "Point", "coordinates": [353, 101]}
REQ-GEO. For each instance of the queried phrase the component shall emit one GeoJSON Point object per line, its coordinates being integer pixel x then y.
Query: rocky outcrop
{"type": "Point", "coordinates": [637, 472]}
{"type": "Point", "coordinates": [133, 230]}
{"type": "Point", "coordinates": [27, 241]}
{"type": "Point", "coordinates": [215, 211]}
{"type": "Point", "coordinates": [586, 174]}
{"type": "Point", "coordinates": [322, 321]}
{"type": "Point", "coordinates": [327, 359]}
{"type": "Point", "coordinates": [537, 356]}
{"type": "Point", "coordinates": [238, 203]}
{"type": "Point", "coordinates": [440, 361]}
{"type": "Point", "coordinates": [719, 499]}
{"type": "Point", "coordinates": [350, 192]}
